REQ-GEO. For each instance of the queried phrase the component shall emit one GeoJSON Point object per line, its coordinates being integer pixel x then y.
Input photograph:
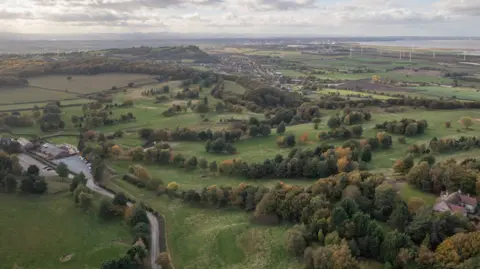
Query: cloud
{"type": "Point", "coordinates": [460, 7]}
{"type": "Point", "coordinates": [262, 5]}
{"type": "Point", "coordinates": [390, 16]}
{"type": "Point", "coordinates": [12, 15]}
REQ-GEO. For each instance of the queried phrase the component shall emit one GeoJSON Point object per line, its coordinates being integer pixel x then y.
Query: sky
{"type": "Point", "coordinates": [256, 17]}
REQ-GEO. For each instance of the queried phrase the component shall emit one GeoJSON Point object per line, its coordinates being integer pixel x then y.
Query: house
{"type": "Point", "coordinates": [54, 152]}
{"type": "Point", "coordinates": [456, 203]}
{"type": "Point", "coordinates": [26, 144]}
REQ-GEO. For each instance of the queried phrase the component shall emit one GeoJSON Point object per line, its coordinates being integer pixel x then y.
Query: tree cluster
{"type": "Point", "coordinates": [448, 175]}
{"type": "Point", "coordinates": [219, 145]}
{"type": "Point", "coordinates": [407, 127]}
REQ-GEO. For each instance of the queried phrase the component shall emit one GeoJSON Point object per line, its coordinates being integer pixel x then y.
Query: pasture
{"type": "Point", "coordinates": [41, 104]}
{"type": "Point", "coordinates": [13, 95]}
{"type": "Point", "coordinates": [206, 238]}
{"type": "Point", "coordinates": [84, 84]}
{"type": "Point", "coordinates": [37, 232]}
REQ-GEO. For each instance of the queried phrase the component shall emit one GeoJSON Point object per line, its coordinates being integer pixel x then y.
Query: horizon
{"type": "Point", "coordinates": [243, 17]}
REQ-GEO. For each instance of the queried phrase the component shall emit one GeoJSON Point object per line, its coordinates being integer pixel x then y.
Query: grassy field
{"type": "Point", "coordinates": [89, 84]}
{"type": "Point", "coordinates": [468, 94]}
{"type": "Point", "coordinates": [209, 238]}
{"type": "Point", "coordinates": [347, 92]}
{"type": "Point", "coordinates": [234, 87]}
{"type": "Point", "coordinates": [40, 104]}
{"type": "Point", "coordinates": [30, 94]}
{"type": "Point", "coordinates": [37, 232]}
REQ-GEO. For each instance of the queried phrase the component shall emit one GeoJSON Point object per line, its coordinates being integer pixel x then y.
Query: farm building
{"type": "Point", "coordinates": [54, 152]}
{"type": "Point", "coordinates": [456, 203]}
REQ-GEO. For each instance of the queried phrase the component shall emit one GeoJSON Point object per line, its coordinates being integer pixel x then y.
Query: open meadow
{"type": "Point", "coordinates": [50, 232]}
{"type": "Point", "coordinates": [202, 237]}
{"type": "Point", "coordinates": [84, 84]}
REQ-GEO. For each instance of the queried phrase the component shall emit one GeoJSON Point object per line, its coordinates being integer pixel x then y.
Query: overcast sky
{"type": "Point", "coordinates": [269, 17]}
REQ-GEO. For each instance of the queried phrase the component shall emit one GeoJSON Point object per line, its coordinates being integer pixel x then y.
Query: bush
{"type": "Point", "coordinates": [173, 186]}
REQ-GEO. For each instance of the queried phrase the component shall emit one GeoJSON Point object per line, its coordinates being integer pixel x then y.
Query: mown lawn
{"type": "Point", "coordinates": [216, 238]}
{"type": "Point", "coordinates": [36, 232]}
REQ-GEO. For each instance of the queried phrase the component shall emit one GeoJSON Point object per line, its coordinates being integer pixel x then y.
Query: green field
{"type": "Point", "coordinates": [37, 232]}
{"type": "Point", "coordinates": [40, 104]}
{"type": "Point", "coordinates": [234, 87]}
{"type": "Point", "coordinates": [468, 94]}
{"type": "Point", "coordinates": [349, 92]}
{"type": "Point", "coordinates": [211, 238]}
{"type": "Point", "coordinates": [30, 94]}
{"type": "Point", "coordinates": [89, 83]}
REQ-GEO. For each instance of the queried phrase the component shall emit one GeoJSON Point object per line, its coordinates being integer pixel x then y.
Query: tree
{"type": "Point", "coordinates": [281, 128]}
{"type": "Point", "coordinates": [467, 122]}
{"type": "Point", "coordinates": [334, 122]}
{"type": "Point", "coordinates": [120, 199]}
{"type": "Point", "coordinates": [448, 124]}
{"type": "Point", "coordinates": [203, 164]}
{"type": "Point", "coordinates": [79, 179]}
{"type": "Point", "coordinates": [213, 166]}
{"type": "Point", "coordinates": [116, 151]}
{"type": "Point", "coordinates": [414, 204]}
{"type": "Point", "coordinates": [400, 217]}
{"type": "Point", "coordinates": [295, 242]}
{"type": "Point", "coordinates": [106, 210]}
{"type": "Point", "coordinates": [141, 230]}
{"type": "Point", "coordinates": [33, 170]}
{"type": "Point", "coordinates": [366, 154]}
{"type": "Point", "coordinates": [163, 260]}
{"type": "Point", "coordinates": [62, 170]}
{"type": "Point", "coordinates": [139, 214]}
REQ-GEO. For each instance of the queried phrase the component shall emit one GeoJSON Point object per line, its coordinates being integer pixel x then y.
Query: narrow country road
{"type": "Point", "coordinates": [154, 249]}
{"type": "Point", "coordinates": [77, 165]}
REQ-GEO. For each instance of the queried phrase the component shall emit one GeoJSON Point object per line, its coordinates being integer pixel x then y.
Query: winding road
{"type": "Point", "coordinates": [76, 165]}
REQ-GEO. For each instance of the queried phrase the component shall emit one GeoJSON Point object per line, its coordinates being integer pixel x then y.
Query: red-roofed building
{"type": "Point", "coordinates": [456, 203]}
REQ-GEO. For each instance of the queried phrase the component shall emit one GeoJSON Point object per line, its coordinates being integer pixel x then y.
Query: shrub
{"type": "Point", "coordinates": [173, 186]}
{"type": "Point", "coordinates": [402, 140]}
{"type": "Point", "coordinates": [448, 124]}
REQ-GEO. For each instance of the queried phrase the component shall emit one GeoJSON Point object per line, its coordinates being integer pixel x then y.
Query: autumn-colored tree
{"type": "Point", "coordinates": [304, 138]}
{"type": "Point", "coordinates": [116, 151]}
{"type": "Point", "coordinates": [163, 260]}
{"type": "Point", "coordinates": [467, 122]}
{"type": "Point", "coordinates": [458, 248]}
{"type": "Point", "coordinates": [140, 172]}
{"type": "Point", "coordinates": [343, 163]}
{"type": "Point", "coordinates": [398, 166]}
{"type": "Point", "coordinates": [136, 153]}
{"type": "Point", "coordinates": [414, 204]}
{"type": "Point", "coordinates": [173, 186]}
{"type": "Point", "coordinates": [341, 152]}
{"type": "Point", "coordinates": [380, 136]}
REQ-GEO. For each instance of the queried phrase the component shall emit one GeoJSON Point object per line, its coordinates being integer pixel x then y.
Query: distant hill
{"type": "Point", "coordinates": [174, 53]}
